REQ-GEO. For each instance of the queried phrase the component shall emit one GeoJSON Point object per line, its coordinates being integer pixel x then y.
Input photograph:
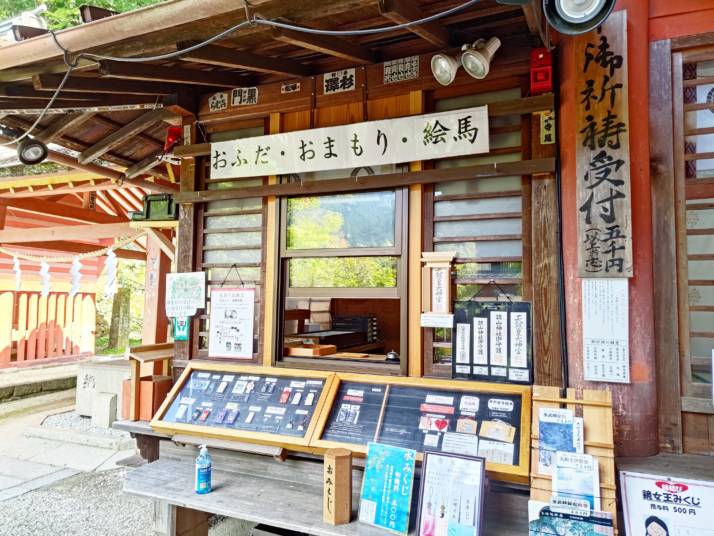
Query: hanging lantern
{"type": "Point", "coordinates": [111, 287]}
{"type": "Point", "coordinates": [76, 274]}
{"type": "Point", "coordinates": [18, 273]}
{"type": "Point", "coordinates": [45, 277]}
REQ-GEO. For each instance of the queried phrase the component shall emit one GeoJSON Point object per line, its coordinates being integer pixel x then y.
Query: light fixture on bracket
{"type": "Point", "coordinates": [475, 58]}
{"type": "Point", "coordinates": [573, 17]}
{"type": "Point", "coordinates": [31, 151]}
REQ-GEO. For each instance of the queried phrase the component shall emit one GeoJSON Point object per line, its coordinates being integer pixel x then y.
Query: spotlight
{"type": "Point", "coordinates": [444, 68]}
{"type": "Point", "coordinates": [31, 152]}
{"type": "Point", "coordinates": [574, 17]}
{"type": "Point", "coordinates": [476, 58]}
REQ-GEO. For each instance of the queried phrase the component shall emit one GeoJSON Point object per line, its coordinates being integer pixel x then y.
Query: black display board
{"type": "Point", "coordinates": [493, 341]}
{"type": "Point", "coordinates": [248, 402]}
{"type": "Point", "coordinates": [426, 418]}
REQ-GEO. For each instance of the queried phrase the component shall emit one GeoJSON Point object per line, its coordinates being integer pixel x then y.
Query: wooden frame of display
{"type": "Point", "coordinates": [514, 473]}
{"type": "Point", "coordinates": [264, 438]}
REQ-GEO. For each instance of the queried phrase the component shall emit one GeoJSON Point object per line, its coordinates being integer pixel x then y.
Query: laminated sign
{"type": "Point", "coordinates": [371, 143]}
{"type": "Point", "coordinates": [493, 341]}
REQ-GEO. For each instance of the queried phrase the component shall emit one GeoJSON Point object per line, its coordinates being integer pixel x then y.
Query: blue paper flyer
{"type": "Point", "coordinates": [558, 430]}
{"type": "Point", "coordinates": [386, 496]}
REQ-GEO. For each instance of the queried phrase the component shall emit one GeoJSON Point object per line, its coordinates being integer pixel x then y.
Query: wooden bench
{"type": "Point", "coordinates": [283, 494]}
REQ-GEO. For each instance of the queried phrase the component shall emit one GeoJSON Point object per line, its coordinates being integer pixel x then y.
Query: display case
{"type": "Point", "coordinates": [245, 403]}
{"type": "Point", "coordinates": [489, 420]}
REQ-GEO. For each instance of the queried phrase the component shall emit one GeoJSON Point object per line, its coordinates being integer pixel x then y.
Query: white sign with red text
{"type": "Point", "coordinates": [663, 506]}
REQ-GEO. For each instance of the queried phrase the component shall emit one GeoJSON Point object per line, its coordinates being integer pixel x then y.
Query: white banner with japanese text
{"type": "Point", "coordinates": [371, 143]}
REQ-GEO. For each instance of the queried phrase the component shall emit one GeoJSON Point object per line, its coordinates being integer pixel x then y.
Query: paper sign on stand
{"type": "Point", "coordinates": [231, 323]}
{"type": "Point", "coordinates": [185, 294]}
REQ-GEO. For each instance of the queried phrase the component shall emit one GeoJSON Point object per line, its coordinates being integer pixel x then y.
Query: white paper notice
{"type": "Point", "coordinates": [606, 350]}
{"type": "Point", "coordinates": [496, 451]}
{"type": "Point", "coordinates": [499, 341]}
{"type": "Point", "coordinates": [460, 444]}
{"type": "Point", "coordinates": [231, 323]}
{"type": "Point", "coordinates": [480, 338]}
{"type": "Point", "coordinates": [463, 334]}
{"type": "Point", "coordinates": [519, 340]}
{"type": "Point", "coordinates": [439, 283]}
{"type": "Point", "coordinates": [437, 320]}
{"type": "Point", "coordinates": [185, 293]}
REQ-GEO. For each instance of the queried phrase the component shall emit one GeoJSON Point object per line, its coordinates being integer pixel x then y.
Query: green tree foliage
{"type": "Point", "coordinates": [65, 13]}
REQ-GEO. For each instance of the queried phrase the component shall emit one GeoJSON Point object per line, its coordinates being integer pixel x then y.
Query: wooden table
{"type": "Point", "coordinates": [150, 353]}
{"type": "Point", "coordinates": [286, 495]}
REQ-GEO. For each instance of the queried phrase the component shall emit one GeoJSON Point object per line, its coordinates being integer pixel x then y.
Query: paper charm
{"type": "Point", "coordinates": [18, 273]}
{"type": "Point", "coordinates": [45, 277]}
{"type": "Point", "coordinates": [75, 272]}
{"type": "Point", "coordinates": [111, 264]}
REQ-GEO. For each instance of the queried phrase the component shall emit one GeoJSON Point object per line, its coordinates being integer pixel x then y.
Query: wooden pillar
{"type": "Point", "coordinates": [6, 304]}
{"type": "Point", "coordinates": [547, 349]}
{"type": "Point", "coordinates": [415, 333]}
{"type": "Point", "coordinates": [155, 323]}
{"type": "Point", "coordinates": [270, 281]}
{"type": "Point", "coordinates": [635, 404]}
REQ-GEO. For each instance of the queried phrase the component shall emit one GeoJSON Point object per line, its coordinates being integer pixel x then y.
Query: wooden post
{"type": "Point", "coordinates": [416, 225]}
{"type": "Point", "coordinates": [270, 279]}
{"type": "Point", "coordinates": [155, 321]}
{"type": "Point", "coordinates": [337, 478]}
{"type": "Point", "coordinates": [547, 350]}
{"type": "Point", "coordinates": [6, 304]}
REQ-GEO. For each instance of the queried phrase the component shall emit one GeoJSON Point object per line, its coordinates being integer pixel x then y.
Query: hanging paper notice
{"type": "Point", "coordinates": [606, 349]}
{"type": "Point", "coordinates": [185, 294]}
{"type": "Point", "coordinates": [231, 323]}
{"type": "Point", "coordinates": [371, 143]}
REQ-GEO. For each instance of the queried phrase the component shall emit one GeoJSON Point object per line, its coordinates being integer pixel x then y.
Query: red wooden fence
{"type": "Point", "coordinates": [35, 327]}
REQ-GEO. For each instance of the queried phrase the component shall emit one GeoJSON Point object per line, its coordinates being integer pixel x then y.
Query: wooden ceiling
{"type": "Point", "coordinates": [129, 141]}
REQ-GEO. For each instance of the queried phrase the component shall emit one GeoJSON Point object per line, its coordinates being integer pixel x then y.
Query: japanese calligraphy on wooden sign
{"type": "Point", "coordinates": [218, 102]}
{"type": "Point", "coordinates": [371, 143]}
{"type": "Point", "coordinates": [547, 127]}
{"type": "Point", "coordinates": [339, 81]}
{"type": "Point", "coordinates": [401, 69]}
{"type": "Point", "coordinates": [242, 96]}
{"type": "Point", "coordinates": [603, 151]}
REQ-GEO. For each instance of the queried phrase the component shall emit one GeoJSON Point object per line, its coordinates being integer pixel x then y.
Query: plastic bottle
{"type": "Point", "coordinates": [203, 471]}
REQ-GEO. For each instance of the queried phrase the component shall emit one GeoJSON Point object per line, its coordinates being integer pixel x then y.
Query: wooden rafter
{"type": "Point", "coordinates": [144, 71]}
{"type": "Point", "coordinates": [240, 59]}
{"type": "Point", "coordinates": [403, 11]}
{"type": "Point", "coordinates": [84, 84]}
{"type": "Point", "coordinates": [97, 101]}
{"type": "Point", "coordinates": [161, 240]}
{"type": "Point", "coordinates": [111, 202]}
{"type": "Point", "coordinates": [332, 46]}
{"type": "Point", "coordinates": [131, 202]}
{"type": "Point", "coordinates": [127, 131]}
{"type": "Point", "coordinates": [157, 187]}
{"type": "Point", "coordinates": [30, 93]}
{"type": "Point", "coordinates": [144, 165]}
{"type": "Point", "coordinates": [63, 124]}
{"type": "Point", "coordinates": [62, 210]}
{"type": "Point", "coordinates": [533, 12]}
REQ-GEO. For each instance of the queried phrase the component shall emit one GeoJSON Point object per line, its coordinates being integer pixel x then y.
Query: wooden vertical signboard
{"type": "Point", "coordinates": [603, 151]}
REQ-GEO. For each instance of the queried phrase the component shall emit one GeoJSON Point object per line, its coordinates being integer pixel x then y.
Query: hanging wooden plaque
{"type": "Point", "coordinates": [603, 151]}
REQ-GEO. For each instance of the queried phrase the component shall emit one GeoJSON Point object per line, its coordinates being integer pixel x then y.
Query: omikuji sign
{"type": "Point", "coordinates": [603, 151]}
{"type": "Point", "coordinates": [372, 143]}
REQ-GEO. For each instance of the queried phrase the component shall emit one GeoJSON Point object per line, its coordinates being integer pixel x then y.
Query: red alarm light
{"type": "Point", "coordinates": [173, 138]}
{"type": "Point", "coordinates": [541, 71]}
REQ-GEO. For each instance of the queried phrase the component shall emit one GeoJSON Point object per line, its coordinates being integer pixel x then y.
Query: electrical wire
{"type": "Point", "coordinates": [252, 21]}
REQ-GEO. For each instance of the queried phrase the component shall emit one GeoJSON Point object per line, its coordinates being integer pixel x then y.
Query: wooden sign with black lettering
{"type": "Point", "coordinates": [603, 151]}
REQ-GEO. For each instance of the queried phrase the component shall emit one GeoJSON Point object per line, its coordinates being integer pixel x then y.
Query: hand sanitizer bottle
{"type": "Point", "coordinates": [203, 471]}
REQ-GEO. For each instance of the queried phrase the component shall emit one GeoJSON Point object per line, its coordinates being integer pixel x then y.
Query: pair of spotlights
{"type": "Point", "coordinates": [475, 59]}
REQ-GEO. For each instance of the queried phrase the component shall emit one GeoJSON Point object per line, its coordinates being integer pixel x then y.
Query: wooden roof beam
{"type": "Point", "coordinates": [155, 187]}
{"type": "Point", "coordinates": [145, 71]}
{"type": "Point", "coordinates": [145, 165]}
{"type": "Point", "coordinates": [533, 12]}
{"type": "Point", "coordinates": [93, 231]}
{"type": "Point", "coordinates": [124, 133]}
{"type": "Point", "coordinates": [84, 84]}
{"type": "Point", "coordinates": [107, 197]}
{"type": "Point", "coordinates": [240, 59]}
{"type": "Point", "coordinates": [28, 92]}
{"type": "Point", "coordinates": [61, 210]}
{"type": "Point", "coordinates": [330, 45]}
{"type": "Point", "coordinates": [403, 11]}
{"type": "Point", "coordinates": [63, 124]}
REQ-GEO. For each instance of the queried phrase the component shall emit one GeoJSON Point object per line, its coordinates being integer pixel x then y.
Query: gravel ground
{"type": "Point", "coordinates": [88, 504]}
{"type": "Point", "coordinates": [70, 420]}
{"type": "Point", "coordinates": [91, 504]}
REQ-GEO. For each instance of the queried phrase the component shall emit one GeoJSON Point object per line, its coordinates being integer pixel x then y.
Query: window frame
{"type": "Point", "coordinates": [399, 292]}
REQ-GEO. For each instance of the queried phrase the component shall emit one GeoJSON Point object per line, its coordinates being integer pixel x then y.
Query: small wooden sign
{"type": "Point", "coordinates": [337, 478]}
{"type": "Point", "coordinates": [603, 151]}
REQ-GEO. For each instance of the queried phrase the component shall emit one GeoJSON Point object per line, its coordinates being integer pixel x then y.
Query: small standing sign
{"type": "Point", "coordinates": [337, 478]}
{"type": "Point", "coordinates": [231, 323]}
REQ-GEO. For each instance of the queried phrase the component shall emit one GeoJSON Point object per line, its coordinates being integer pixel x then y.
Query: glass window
{"type": "Point", "coordinates": [360, 220]}
{"type": "Point", "coordinates": [343, 272]}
